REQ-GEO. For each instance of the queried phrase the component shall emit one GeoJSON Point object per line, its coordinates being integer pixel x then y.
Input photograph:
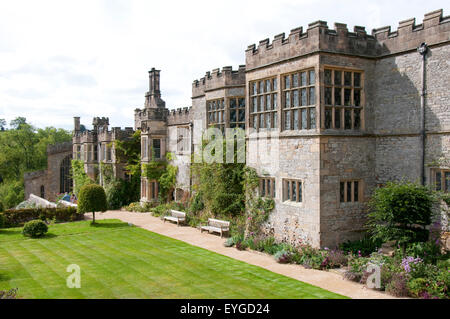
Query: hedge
{"type": "Point", "coordinates": [18, 217]}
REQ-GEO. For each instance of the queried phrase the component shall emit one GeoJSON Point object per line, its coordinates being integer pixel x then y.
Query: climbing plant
{"type": "Point", "coordinates": [164, 173]}
{"type": "Point", "coordinates": [79, 176]}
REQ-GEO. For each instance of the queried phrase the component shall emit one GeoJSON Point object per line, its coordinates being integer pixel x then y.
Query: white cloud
{"type": "Point", "coordinates": [60, 59]}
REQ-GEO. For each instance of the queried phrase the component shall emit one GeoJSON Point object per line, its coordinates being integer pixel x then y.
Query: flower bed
{"type": "Point", "coordinates": [421, 272]}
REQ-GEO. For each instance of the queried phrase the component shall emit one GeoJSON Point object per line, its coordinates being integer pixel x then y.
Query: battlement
{"type": "Point", "coordinates": [179, 116]}
{"type": "Point", "coordinates": [434, 29]}
{"type": "Point", "coordinates": [100, 121]}
{"type": "Point", "coordinates": [219, 79]}
{"type": "Point", "coordinates": [59, 147]}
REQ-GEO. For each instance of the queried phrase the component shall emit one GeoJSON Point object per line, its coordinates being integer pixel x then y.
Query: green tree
{"type": "Point", "coordinates": [18, 122]}
{"type": "Point", "coordinates": [92, 198]}
{"type": "Point", "coordinates": [2, 124]}
{"type": "Point", "coordinates": [400, 211]}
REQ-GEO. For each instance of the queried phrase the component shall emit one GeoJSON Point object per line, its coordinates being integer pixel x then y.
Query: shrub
{"type": "Point", "coordinates": [34, 228]}
{"type": "Point", "coordinates": [92, 198]}
{"type": "Point", "coordinates": [398, 285]}
{"type": "Point", "coordinates": [18, 217]}
{"type": "Point", "coordinates": [400, 211]}
{"type": "Point", "coordinates": [1, 206]}
{"type": "Point", "coordinates": [8, 294]}
{"type": "Point", "coordinates": [337, 258]}
{"type": "Point", "coordinates": [2, 220]}
{"type": "Point", "coordinates": [229, 242]}
{"type": "Point", "coordinates": [429, 251]}
{"type": "Point", "coordinates": [196, 203]}
{"type": "Point", "coordinates": [364, 246]}
{"type": "Point", "coordinates": [283, 256]}
{"type": "Point", "coordinates": [241, 245]}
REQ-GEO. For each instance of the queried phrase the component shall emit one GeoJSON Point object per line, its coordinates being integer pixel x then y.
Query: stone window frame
{"type": "Point", "coordinates": [264, 184]}
{"type": "Point", "coordinates": [106, 152]}
{"type": "Point", "coordinates": [216, 109]}
{"type": "Point", "coordinates": [152, 189]}
{"type": "Point", "coordinates": [183, 140]}
{"type": "Point", "coordinates": [78, 152]}
{"type": "Point", "coordinates": [153, 152]}
{"type": "Point", "coordinates": [239, 108]}
{"type": "Point", "coordinates": [344, 187]}
{"type": "Point", "coordinates": [444, 175]}
{"type": "Point", "coordinates": [144, 147]}
{"type": "Point", "coordinates": [289, 89]}
{"type": "Point", "coordinates": [333, 113]}
{"type": "Point", "coordinates": [288, 190]}
{"type": "Point", "coordinates": [259, 92]}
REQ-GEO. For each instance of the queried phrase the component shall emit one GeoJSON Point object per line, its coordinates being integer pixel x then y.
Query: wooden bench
{"type": "Point", "coordinates": [216, 225]}
{"type": "Point", "coordinates": [176, 216]}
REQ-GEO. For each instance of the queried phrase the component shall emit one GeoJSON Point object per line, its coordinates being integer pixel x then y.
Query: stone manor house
{"type": "Point", "coordinates": [329, 115]}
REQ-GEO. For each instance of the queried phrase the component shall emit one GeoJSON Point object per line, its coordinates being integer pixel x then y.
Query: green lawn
{"type": "Point", "coordinates": [122, 261]}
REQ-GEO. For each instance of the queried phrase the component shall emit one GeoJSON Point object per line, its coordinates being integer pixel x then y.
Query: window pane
{"type": "Point", "coordinates": [347, 78]}
{"type": "Point", "coordinates": [295, 97]}
{"type": "Point", "coordinates": [438, 181]}
{"type": "Point", "coordinates": [342, 192]}
{"type": "Point", "coordinates": [304, 97]}
{"type": "Point", "coordinates": [294, 191]}
{"type": "Point", "coordinates": [241, 115]}
{"type": "Point", "coordinates": [357, 115]}
{"type": "Point", "coordinates": [295, 119]}
{"type": "Point", "coordinates": [275, 119]}
{"type": "Point", "coordinates": [287, 82]}
{"type": "Point", "coordinates": [327, 118]}
{"type": "Point", "coordinates": [233, 103]}
{"type": "Point", "coordinates": [312, 117]}
{"type": "Point", "coordinates": [312, 95]}
{"type": "Point", "coordinates": [304, 119]}
{"type": "Point", "coordinates": [261, 103]}
{"type": "Point", "coordinates": [261, 120]}
{"type": "Point", "coordinates": [232, 115]}
{"type": "Point", "coordinates": [349, 191]}
{"type": "Point", "coordinates": [255, 91]}
{"type": "Point", "coordinates": [269, 193]}
{"type": "Point", "coordinates": [357, 97]}
{"type": "Point", "coordinates": [263, 187]}
{"type": "Point", "coordinates": [268, 102]}
{"type": "Point", "coordinates": [348, 119]}
{"type": "Point", "coordinates": [287, 120]}
{"type": "Point", "coordinates": [303, 78]}
{"type": "Point", "coordinates": [288, 191]}
{"type": "Point", "coordinates": [347, 97]}
{"type": "Point", "coordinates": [300, 191]}
{"type": "Point", "coordinates": [287, 99]}
{"type": "Point", "coordinates": [337, 77]}
{"type": "Point", "coordinates": [328, 96]}
{"type": "Point", "coordinates": [273, 188]}
{"type": "Point", "coordinates": [261, 87]}
{"type": "Point", "coordinates": [275, 101]}
{"type": "Point", "coordinates": [275, 84]}
{"type": "Point", "coordinates": [337, 96]}
{"type": "Point", "coordinates": [241, 102]}
{"type": "Point", "coordinates": [357, 79]}
{"type": "Point", "coordinates": [255, 104]}
{"type": "Point", "coordinates": [268, 89]}
{"type": "Point", "coordinates": [337, 118]}
{"type": "Point", "coordinates": [312, 77]}
{"type": "Point", "coordinates": [255, 121]}
{"type": "Point", "coordinates": [355, 191]}
{"type": "Point", "coordinates": [295, 80]}
{"type": "Point", "coordinates": [327, 76]}
{"type": "Point", "coordinates": [268, 120]}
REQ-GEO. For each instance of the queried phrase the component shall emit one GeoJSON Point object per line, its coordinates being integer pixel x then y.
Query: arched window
{"type": "Point", "coordinates": [42, 191]}
{"type": "Point", "coordinates": [65, 180]}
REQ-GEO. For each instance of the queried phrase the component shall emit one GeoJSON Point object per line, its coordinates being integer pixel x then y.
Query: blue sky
{"type": "Point", "coordinates": [60, 59]}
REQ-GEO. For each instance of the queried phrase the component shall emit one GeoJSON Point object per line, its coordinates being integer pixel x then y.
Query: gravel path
{"type": "Point", "coordinates": [329, 280]}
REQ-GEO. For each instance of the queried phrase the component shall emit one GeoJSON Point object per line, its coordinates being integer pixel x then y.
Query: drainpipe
{"type": "Point", "coordinates": [423, 49]}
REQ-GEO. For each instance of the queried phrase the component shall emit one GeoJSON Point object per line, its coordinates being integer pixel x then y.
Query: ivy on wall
{"type": "Point", "coordinates": [164, 173]}
{"type": "Point", "coordinates": [79, 176]}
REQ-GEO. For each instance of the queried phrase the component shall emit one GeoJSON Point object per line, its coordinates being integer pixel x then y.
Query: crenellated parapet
{"type": "Point", "coordinates": [216, 79]}
{"type": "Point", "coordinates": [179, 116]}
{"type": "Point", "coordinates": [149, 114]}
{"type": "Point", "coordinates": [434, 29]}
{"type": "Point", "coordinates": [59, 148]}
